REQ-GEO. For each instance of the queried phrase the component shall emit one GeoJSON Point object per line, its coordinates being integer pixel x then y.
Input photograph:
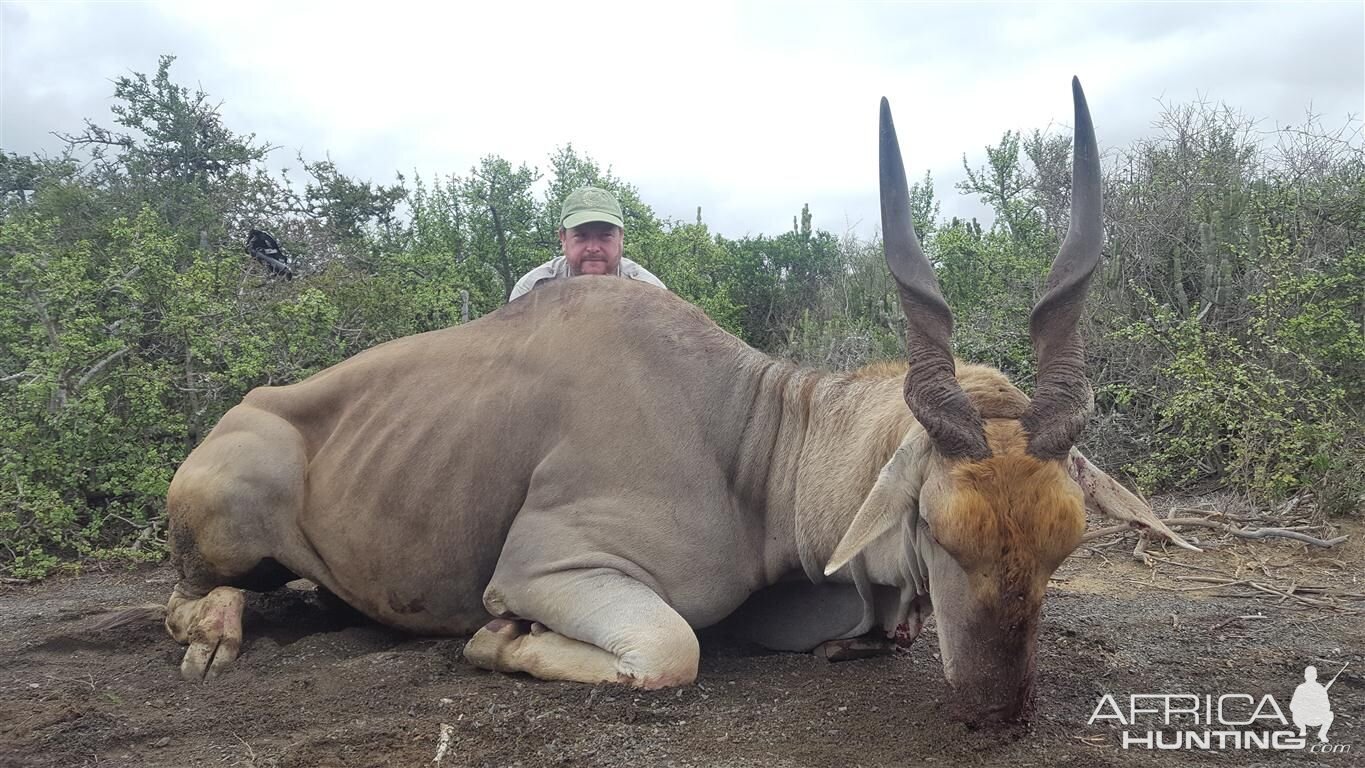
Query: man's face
{"type": "Point", "coordinates": [593, 248]}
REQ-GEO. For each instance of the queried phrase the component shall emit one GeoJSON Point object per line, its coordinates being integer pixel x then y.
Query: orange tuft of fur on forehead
{"type": "Point", "coordinates": [1011, 518]}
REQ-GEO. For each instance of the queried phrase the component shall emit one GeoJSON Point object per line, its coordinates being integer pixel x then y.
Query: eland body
{"type": "Point", "coordinates": [584, 476]}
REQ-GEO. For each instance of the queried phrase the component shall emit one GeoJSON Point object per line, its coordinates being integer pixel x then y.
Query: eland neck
{"type": "Point", "coordinates": [810, 453]}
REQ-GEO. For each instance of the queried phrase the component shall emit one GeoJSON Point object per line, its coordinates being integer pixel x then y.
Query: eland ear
{"type": "Point", "coordinates": [1118, 502]}
{"type": "Point", "coordinates": [892, 498]}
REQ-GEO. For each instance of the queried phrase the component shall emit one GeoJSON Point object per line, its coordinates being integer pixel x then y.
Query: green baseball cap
{"type": "Point", "coordinates": [587, 204]}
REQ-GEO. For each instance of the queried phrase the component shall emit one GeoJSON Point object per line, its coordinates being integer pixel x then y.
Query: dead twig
{"type": "Point", "coordinates": [1097, 553]}
{"type": "Point", "coordinates": [1150, 585]}
{"type": "Point", "coordinates": [1219, 585]}
{"type": "Point", "coordinates": [1285, 533]}
{"type": "Point", "coordinates": [1140, 551]}
{"type": "Point", "coordinates": [1292, 596]}
{"type": "Point", "coordinates": [1329, 592]}
{"type": "Point", "coordinates": [1283, 594]}
{"type": "Point", "coordinates": [148, 534]}
{"type": "Point", "coordinates": [1194, 522]}
{"type": "Point", "coordinates": [1207, 522]}
{"type": "Point", "coordinates": [1108, 530]}
{"type": "Point", "coordinates": [1185, 565]}
{"type": "Point", "coordinates": [1236, 619]}
{"type": "Point", "coordinates": [250, 753]}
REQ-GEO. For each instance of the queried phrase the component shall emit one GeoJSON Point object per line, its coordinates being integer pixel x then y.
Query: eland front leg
{"type": "Point", "coordinates": [588, 626]}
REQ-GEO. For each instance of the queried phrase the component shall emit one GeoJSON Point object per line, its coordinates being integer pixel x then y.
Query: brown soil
{"type": "Point", "coordinates": [317, 688]}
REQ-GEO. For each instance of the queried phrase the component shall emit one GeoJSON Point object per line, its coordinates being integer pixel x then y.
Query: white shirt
{"type": "Point", "coordinates": [559, 267]}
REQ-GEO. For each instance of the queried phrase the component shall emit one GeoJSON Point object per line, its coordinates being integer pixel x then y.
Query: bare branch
{"type": "Point", "coordinates": [1266, 533]}
{"type": "Point", "coordinates": [1199, 522]}
{"type": "Point", "coordinates": [100, 366]}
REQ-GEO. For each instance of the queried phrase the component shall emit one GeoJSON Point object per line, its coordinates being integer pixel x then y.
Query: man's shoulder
{"type": "Point", "coordinates": [546, 271]}
{"type": "Point", "coordinates": [634, 271]}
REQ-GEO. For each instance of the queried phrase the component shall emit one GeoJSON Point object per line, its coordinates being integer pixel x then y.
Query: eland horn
{"type": "Point", "coordinates": [931, 388]}
{"type": "Point", "coordinates": [1063, 400]}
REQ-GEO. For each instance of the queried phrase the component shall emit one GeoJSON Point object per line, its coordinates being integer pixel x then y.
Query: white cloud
{"type": "Point", "coordinates": [748, 110]}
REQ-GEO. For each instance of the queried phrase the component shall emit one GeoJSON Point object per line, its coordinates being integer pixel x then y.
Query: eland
{"type": "Point", "coordinates": [587, 475]}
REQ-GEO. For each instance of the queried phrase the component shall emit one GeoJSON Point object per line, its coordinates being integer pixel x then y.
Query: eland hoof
{"type": "Point", "coordinates": [212, 625]}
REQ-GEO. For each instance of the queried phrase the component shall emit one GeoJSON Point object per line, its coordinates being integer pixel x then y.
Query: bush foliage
{"type": "Point", "coordinates": [1225, 331]}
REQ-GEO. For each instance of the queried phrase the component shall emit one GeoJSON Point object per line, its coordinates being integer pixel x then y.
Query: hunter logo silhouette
{"type": "Point", "coordinates": [1310, 705]}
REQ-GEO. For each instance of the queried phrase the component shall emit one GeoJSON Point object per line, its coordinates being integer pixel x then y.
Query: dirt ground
{"type": "Point", "coordinates": [316, 688]}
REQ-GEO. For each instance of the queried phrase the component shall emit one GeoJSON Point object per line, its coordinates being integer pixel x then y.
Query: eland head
{"type": "Point", "coordinates": [981, 488]}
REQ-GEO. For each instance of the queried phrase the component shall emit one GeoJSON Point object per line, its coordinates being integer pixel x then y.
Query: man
{"type": "Point", "coordinates": [592, 237]}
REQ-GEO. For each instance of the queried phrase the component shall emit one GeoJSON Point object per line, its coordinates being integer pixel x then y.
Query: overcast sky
{"type": "Point", "coordinates": [748, 110]}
